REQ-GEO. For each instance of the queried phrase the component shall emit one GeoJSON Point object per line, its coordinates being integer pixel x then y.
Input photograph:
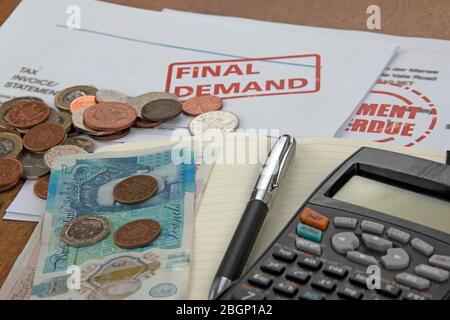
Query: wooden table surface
{"type": "Point", "coordinates": [422, 18]}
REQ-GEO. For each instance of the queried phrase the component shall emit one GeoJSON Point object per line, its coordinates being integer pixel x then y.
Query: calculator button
{"type": "Point", "coordinates": [344, 242]}
{"type": "Point", "coordinates": [345, 222]}
{"type": "Point", "coordinates": [310, 263]}
{"type": "Point", "coordinates": [298, 276]}
{"type": "Point", "coordinates": [260, 280]}
{"type": "Point", "coordinates": [286, 289]}
{"type": "Point", "coordinates": [422, 246]}
{"type": "Point", "coordinates": [244, 294]}
{"type": "Point", "coordinates": [350, 293]}
{"type": "Point", "coordinates": [376, 243]}
{"type": "Point", "coordinates": [414, 296]}
{"type": "Point", "coordinates": [412, 281]}
{"type": "Point", "coordinates": [390, 291]}
{"type": "Point", "coordinates": [309, 295]}
{"type": "Point", "coordinates": [308, 246]}
{"type": "Point", "coordinates": [285, 255]}
{"type": "Point", "coordinates": [323, 284]}
{"type": "Point", "coordinates": [361, 258]}
{"type": "Point", "coordinates": [308, 232]}
{"type": "Point", "coordinates": [313, 218]}
{"type": "Point", "coordinates": [359, 279]}
{"type": "Point", "coordinates": [274, 268]}
{"type": "Point", "coordinates": [335, 271]}
{"type": "Point", "coordinates": [398, 235]}
{"type": "Point", "coordinates": [432, 273]}
{"type": "Point", "coordinates": [440, 261]}
{"type": "Point", "coordinates": [372, 227]}
{"type": "Point", "coordinates": [395, 259]}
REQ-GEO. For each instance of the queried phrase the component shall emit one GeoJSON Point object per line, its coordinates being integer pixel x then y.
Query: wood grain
{"type": "Point", "coordinates": [421, 18]}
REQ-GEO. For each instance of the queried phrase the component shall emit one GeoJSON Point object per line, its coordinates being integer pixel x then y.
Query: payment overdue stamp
{"type": "Point", "coordinates": [241, 78]}
{"type": "Point", "coordinates": [393, 112]}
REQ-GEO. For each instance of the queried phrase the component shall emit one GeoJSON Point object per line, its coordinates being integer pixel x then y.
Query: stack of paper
{"type": "Point", "coordinates": [418, 76]}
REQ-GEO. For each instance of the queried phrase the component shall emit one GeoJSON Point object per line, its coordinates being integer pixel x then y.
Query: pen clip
{"type": "Point", "coordinates": [285, 158]}
{"type": "Point", "coordinates": [274, 169]}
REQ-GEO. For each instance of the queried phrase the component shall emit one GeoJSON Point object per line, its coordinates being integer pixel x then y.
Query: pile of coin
{"type": "Point", "coordinates": [34, 132]}
{"type": "Point", "coordinates": [89, 230]}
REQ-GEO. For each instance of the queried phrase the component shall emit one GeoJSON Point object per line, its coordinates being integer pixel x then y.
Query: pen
{"type": "Point", "coordinates": [238, 251]}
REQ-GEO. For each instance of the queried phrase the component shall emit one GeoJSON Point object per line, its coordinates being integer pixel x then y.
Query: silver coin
{"type": "Point", "coordinates": [60, 151]}
{"type": "Point", "coordinates": [140, 101]}
{"type": "Point", "coordinates": [85, 231]}
{"type": "Point", "coordinates": [104, 95]}
{"type": "Point", "coordinates": [84, 143]}
{"type": "Point", "coordinates": [33, 165]}
{"type": "Point", "coordinates": [222, 120]}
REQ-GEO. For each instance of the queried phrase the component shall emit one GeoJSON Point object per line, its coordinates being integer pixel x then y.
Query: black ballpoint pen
{"type": "Point", "coordinates": [239, 249]}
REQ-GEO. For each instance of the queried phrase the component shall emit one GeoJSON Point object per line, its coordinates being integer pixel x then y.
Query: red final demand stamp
{"type": "Point", "coordinates": [240, 78]}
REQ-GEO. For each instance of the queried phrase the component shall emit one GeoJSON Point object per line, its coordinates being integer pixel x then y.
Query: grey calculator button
{"type": "Point", "coordinates": [398, 235]}
{"type": "Point", "coordinates": [344, 242]}
{"type": "Point", "coordinates": [308, 246]}
{"type": "Point", "coordinates": [422, 246]}
{"type": "Point", "coordinates": [432, 273]}
{"type": "Point", "coordinates": [376, 243]}
{"type": "Point", "coordinates": [372, 227]}
{"type": "Point", "coordinates": [361, 258]}
{"type": "Point", "coordinates": [440, 261]}
{"type": "Point", "coordinates": [345, 222]}
{"type": "Point", "coordinates": [412, 281]}
{"type": "Point", "coordinates": [395, 259]}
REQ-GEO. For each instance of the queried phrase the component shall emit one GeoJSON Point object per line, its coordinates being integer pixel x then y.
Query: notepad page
{"type": "Point", "coordinates": [229, 189]}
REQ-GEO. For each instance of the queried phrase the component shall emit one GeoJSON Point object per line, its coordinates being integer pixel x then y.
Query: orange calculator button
{"type": "Point", "coordinates": [314, 219]}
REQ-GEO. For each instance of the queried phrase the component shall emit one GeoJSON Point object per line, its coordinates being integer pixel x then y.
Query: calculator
{"type": "Point", "coordinates": [378, 227]}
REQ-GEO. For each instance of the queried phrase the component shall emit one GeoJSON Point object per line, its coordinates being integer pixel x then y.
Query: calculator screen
{"type": "Point", "coordinates": [398, 202]}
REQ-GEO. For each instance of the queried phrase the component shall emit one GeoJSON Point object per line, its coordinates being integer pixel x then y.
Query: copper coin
{"type": "Point", "coordinates": [28, 114]}
{"type": "Point", "coordinates": [82, 102]}
{"type": "Point", "coordinates": [10, 171]}
{"type": "Point", "coordinates": [109, 116]}
{"type": "Point", "coordinates": [43, 137]}
{"type": "Point", "coordinates": [113, 136]}
{"type": "Point", "coordinates": [10, 186]}
{"type": "Point", "coordinates": [137, 234]}
{"type": "Point", "coordinates": [160, 110]}
{"type": "Point", "coordinates": [41, 187]}
{"type": "Point", "coordinates": [198, 105]}
{"type": "Point", "coordinates": [140, 123]}
{"type": "Point", "coordinates": [135, 189]}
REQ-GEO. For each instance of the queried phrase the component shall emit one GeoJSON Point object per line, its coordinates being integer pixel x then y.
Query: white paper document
{"type": "Point", "coordinates": [410, 107]}
{"type": "Point", "coordinates": [297, 81]}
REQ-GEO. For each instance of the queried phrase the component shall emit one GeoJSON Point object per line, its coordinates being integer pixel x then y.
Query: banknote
{"type": "Point", "coordinates": [83, 185]}
{"type": "Point", "coordinates": [19, 282]}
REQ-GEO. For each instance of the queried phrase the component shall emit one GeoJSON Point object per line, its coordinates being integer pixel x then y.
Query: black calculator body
{"type": "Point", "coordinates": [335, 249]}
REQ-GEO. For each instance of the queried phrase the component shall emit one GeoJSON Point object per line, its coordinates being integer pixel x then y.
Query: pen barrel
{"type": "Point", "coordinates": [243, 240]}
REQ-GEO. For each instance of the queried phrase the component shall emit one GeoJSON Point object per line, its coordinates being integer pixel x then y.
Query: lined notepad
{"type": "Point", "coordinates": [229, 188]}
